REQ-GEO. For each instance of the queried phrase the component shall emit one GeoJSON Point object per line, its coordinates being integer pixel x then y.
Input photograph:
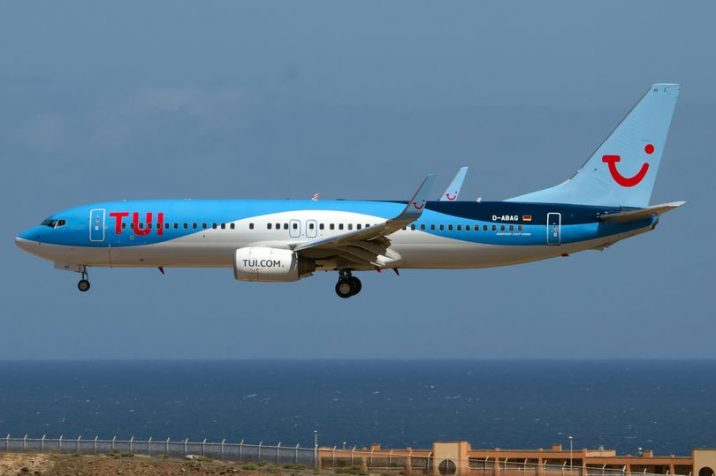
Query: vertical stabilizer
{"type": "Point", "coordinates": [622, 171]}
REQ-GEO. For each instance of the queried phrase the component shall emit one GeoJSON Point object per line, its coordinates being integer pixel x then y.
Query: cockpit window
{"type": "Point", "coordinates": [52, 223]}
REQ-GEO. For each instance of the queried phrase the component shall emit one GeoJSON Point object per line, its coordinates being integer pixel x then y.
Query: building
{"type": "Point", "coordinates": [459, 458]}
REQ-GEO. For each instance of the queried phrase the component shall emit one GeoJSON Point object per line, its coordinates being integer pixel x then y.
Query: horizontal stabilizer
{"type": "Point", "coordinates": [640, 214]}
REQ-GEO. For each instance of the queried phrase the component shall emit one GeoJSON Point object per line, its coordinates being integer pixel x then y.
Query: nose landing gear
{"type": "Point", "coordinates": [347, 285]}
{"type": "Point", "coordinates": [84, 283]}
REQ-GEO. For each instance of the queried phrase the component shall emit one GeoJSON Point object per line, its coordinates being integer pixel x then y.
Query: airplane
{"type": "Point", "coordinates": [605, 201]}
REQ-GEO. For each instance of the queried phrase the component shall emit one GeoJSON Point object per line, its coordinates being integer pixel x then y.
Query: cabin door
{"type": "Point", "coordinates": [554, 228]}
{"type": "Point", "coordinates": [96, 224]}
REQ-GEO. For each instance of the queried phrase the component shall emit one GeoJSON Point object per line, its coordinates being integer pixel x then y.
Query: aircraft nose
{"type": "Point", "coordinates": [26, 239]}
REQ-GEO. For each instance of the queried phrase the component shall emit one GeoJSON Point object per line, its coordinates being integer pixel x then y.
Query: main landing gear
{"type": "Point", "coordinates": [347, 285]}
{"type": "Point", "coordinates": [84, 283]}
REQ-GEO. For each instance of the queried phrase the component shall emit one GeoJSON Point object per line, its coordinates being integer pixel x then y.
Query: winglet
{"type": "Point", "coordinates": [453, 190]}
{"type": "Point", "coordinates": [416, 204]}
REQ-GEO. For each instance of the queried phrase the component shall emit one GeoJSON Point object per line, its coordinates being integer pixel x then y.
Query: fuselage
{"type": "Point", "coordinates": [207, 233]}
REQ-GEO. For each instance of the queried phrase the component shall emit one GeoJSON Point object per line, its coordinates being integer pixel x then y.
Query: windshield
{"type": "Point", "coordinates": [52, 223]}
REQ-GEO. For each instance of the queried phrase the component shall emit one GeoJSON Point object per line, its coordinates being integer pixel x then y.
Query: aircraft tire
{"type": "Point", "coordinates": [344, 288]}
{"type": "Point", "coordinates": [83, 285]}
{"type": "Point", "coordinates": [355, 284]}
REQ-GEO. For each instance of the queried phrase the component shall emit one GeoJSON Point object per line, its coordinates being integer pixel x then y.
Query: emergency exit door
{"type": "Point", "coordinates": [554, 228]}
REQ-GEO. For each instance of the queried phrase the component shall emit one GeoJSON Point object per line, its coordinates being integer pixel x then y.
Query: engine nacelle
{"type": "Point", "coordinates": [261, 263]}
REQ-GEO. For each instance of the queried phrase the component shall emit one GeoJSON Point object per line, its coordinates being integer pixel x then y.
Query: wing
{"type": "Point", "coordinates": [453, 190]}
{"type": "Point", "coordinates": [367, 247]}
{"type": "Point", "coordinates": [639, 214]}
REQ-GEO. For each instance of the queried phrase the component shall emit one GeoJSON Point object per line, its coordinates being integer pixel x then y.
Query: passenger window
{"type": "Point", "coordinates": [232, 226]}
{"type": "Point", "coordinates": [176, 226]}
{"type": "Point", "coordinates": [450, 227]}
{"type": "Point", "coordinates": [519, 227]}
{"type": "Point", "coordinates": [321, 226]}
{"type": "Point", "coordinates": [442, 227]}
{"type": "Point", "coordinates": [251, 226]}
{"type": "Point", "coordinates": [213, 226]}
{"type": "Point", "coordinates": [432, 227]}
{"type": "Point", "coordinates": [185, 226]}
{"type": "Point", "coordinates": [350, 226]}
{"type": "Point", "coordinates": [422, 226]}
{"type": "Point", "coordinates": [285, 226]}
{"type": "Point", "coordinates": [484, 227]}
{"type": "Point", "coordinates": [294, 226]}
{"type": "Point", "coordinates": [203, 225]}
{"type": "Point", "coordinates": [412, 227]}
{"type": "Point", "coordinates": [512, 227]}
{"type": "Point", "coordinates": [268, 226]}
{"type": "Point", "coordinates": [340, 226]}
{"type": "Point", "coordinates": [124, 226]}
{"type": "Point", "coordinates": [494, 227]}
{"type": "Point", "coordinates": [311, 226]}
{"type": "Point", "coordinates": [459, 228]}
{"type": "Point", "coordinates": [193, 225]}
{"type": "Point", "coordinates": [367, 225]}
{"type": "Point", "coordinates": [332, 226]}
{"type": "Point", "coordinates": [223, 226]}
{"type": "Point", "coordinates": [502, 227]}
{"type": "Point", "coordinates": [278, 226]}
{"type": "Point", "coordinates": [358, 226]}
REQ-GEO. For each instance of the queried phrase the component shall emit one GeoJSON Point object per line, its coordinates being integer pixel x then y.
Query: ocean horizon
{"type": "Point", "coordinates": [665, 405]}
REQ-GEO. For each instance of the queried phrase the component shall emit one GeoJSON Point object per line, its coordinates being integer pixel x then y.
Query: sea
{"type": "Point", "coordinates": [667, 406]}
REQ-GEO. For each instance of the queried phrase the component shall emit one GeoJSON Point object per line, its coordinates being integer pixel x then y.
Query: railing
{"type": "Point", "coordinates": [278, 454]}
{"type": "Point", "coordinates": [405, 461]}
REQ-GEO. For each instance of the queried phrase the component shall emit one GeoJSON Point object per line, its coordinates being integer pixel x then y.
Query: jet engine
{"type": "Point", "coordinates": [262, 263]}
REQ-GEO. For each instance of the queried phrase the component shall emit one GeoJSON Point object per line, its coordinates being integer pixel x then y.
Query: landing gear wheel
{"type": "Point", "coordinates": [83, 285]}
{"type": "Point", "coordinates": [344, 288]}
{"type": "Point", "coordinates": [356, 285]}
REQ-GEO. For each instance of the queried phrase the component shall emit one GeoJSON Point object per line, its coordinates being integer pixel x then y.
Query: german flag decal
{"type": "Point", "coordinates": [526, 217]}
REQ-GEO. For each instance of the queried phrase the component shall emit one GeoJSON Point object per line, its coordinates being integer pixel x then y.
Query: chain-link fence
{"type": "Point", "coordinates": [278, 454]}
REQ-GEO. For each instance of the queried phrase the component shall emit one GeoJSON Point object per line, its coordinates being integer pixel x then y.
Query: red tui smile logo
{"type": "Point", "coordinates": [452, 197]}
{"type": "Point", "coordinates": [611, 161]}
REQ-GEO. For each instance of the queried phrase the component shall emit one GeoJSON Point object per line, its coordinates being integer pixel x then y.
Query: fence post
{"type": "Point", "coordinates": [166, 446]}
{"type": "Point", "coordinates": [260, 443]}
{"type": "Point", "coordinates": [353, 452]}
{"type": "Point", "coordinates": [149, 446]}
{"type": "Point", "coordinates": [241, 448]}
{"type": "Point", "coordinates": [390, 459]}
{"type": "Point", "coordinates": [131, 445]}
{"type": "Point", "coordinates": [333, 457]}
{"type": "Point", "coordinates": [278, 454]}
{"type": "Point", "coordinates": [222, 448]}
{"type": "Point", "coordinates": [60, 445]}
{"type": "Point", "coordinates": [78, 443]}
{"type": "Point", "coordinates": [203, 446]}
{"type": "Point", "coordinates": [295, 455]}
{"type": "Point", "coordinates": [94, 445]}
{"type": "Point", "coordinates": [186, 442]}
{"type": "Point", "coordinates": [370, 460]}
{"type": "Point", "coordinates": [24, 443]}
{"type": "Point", "coordinates": [42, 444]}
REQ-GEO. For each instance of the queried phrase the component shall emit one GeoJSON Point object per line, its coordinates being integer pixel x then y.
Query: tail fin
{"type": "Point", "coordinates": [623, 169]}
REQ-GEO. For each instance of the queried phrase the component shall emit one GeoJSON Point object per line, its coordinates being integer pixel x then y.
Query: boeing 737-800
{"type": "Point", "coordinates": [606, 201]}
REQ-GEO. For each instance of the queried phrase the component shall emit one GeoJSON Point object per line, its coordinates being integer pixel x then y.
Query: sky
{"type": "Point", "coordinates": [135, 100]}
